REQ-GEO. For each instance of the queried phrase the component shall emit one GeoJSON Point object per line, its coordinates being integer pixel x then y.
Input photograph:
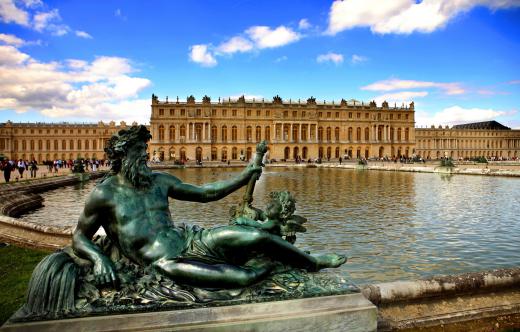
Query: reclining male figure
{"type": "Point", "coordinates": [131, 204]}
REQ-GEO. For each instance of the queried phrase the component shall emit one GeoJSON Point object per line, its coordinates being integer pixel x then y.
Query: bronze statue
{"type": "Point", "coordinates": [132, 206]}
{"type": "Point", "coordinates": [146, 260]}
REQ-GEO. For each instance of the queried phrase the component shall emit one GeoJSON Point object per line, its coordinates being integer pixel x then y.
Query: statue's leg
{"type": "Point", "coordinates": [235, 240]}
{"type": "Point", "coordinates": [212, 275]}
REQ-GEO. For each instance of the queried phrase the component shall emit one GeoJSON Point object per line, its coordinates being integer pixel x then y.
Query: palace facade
{"type": "Point", "coordinates": [488, 139]}
{"type": "Point", "coordinates": [52, 141]}
{"type": "Point", "coordinates": [230, 129]}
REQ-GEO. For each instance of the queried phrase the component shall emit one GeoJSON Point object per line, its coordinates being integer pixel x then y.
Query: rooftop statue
{"type": "Point", "coordinates": [131, 204]}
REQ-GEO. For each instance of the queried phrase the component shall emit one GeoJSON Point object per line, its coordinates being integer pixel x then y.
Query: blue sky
{"type": "Point", "coordinates": [85, 61]}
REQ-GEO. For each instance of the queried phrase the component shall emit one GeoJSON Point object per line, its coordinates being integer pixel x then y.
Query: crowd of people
{"type": "Point", "coordinates": [30, 168]}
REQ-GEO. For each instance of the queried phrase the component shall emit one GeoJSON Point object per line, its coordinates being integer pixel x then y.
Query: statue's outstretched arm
{"type": "Point", "coordinates": [88, 225]}
{"type": "Point", "coordinates": [211, 191]}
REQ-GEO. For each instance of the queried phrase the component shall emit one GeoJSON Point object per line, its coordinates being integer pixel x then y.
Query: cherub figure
{"type": "Point", "coordinates": [278, 217]}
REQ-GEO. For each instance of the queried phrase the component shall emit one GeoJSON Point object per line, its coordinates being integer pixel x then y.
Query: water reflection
{"type": "Point", "coordinates": [392, 225]}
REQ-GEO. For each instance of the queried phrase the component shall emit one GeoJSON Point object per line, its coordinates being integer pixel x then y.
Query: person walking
{"type": "Point", "coordinates": [21, 167]}
{"type": "Point", "coordinates": [7, 167]}
{"type": "Point", "coordinates": [33, 167]}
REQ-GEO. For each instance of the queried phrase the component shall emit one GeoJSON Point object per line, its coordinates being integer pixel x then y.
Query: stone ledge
{"type": "Point", "coordinates": [351, 312]}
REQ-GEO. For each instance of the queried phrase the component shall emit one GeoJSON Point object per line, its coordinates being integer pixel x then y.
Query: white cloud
{"type": "Point", "coordinates": [11, 40]}
{"type": "Point", "coordinates": [235, 44]}
{"type": "Point", "coordinates": [101, 89]}
{"type": "Point", "coordinates": [119, 14]}
{"type": "Point", "coordinates": [453, 88]}
{"type": "Point", "coordinates": [265, 37]}
{"type": "Point", "coordinates": [330, 57]}
{"type": "Point", "coordinates": [200, 54]}
{"type": "Point", "coordinates": [49, 21]}
{"type": "Point", "coordinates": [83, 34]}
{"type": "Point", "coordinates": [401, 97]}
{"type": "Point", "coordinates": [9, 13]}
{"type": "Point", "coordinates": [358, 59]}
{"type": "Point", "coordinates": [31, 3]}
{"type": "Point", "coordinates": [456, 115]}
{"type": "Point", "coordinates": [403, 16]}
{"type": "Point", "coordinates": [304, 24]}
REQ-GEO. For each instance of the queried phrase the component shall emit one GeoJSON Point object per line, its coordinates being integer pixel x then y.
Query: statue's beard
{"type": "Point", "coordinates": [137, 172]}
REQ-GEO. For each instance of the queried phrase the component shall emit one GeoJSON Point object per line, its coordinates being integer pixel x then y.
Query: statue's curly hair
{"type": "Point", "coordinates": [287, 202]}
{"type": "Point", "coordinates": [119, 144]}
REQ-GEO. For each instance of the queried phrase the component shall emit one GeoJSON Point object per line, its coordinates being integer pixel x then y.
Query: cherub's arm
{"type": "Point", "coordinates": [272, 226]}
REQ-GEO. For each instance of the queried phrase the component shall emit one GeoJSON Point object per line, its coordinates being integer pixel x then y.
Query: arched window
{"type": "Point", "coordinates": [213, 133]}
{"type": "Point", "coordinates": [182, 132]}
{"type": "Point", "coordinates": [329, 133]}
{"type": "Point", "coordinates": [249, 133]}
{"type": "Point", "coordinates": [172, 133]}
{"type": "Point", "coordinates": [358, 134]}
{"type": "Point", "coordinates": [64, 145]}
{"type": "Point", "coordinates": [94, 144]}
{"type": "Point", "coordinates": [234, 153]}
{"type": "Point", "coordinates": [87, 144]}
{"type": "Point", "coordinates": [224, 154]}
{"type": "Point", "coordinates": [40, 145]}
{"type": "Point", "coordinates": [350, 133]}
{"type": "Point", "coordinates": [161, 133]}
{"type": "Point", "coordinates": [24, 145]}
{"type": "Point", "coordinates": [224, 134]}
{"type": "Point", "coordinates": [234, 134]}
{"type": "Point", "coordinates": [336, 154]}
{"type": "Point", "coordinates": [406, 134]}
{"type": "Point", "coordinates": [336, 134]}
{"type": "Point", "coordinates": [32, 146]}
{"type": "Point", "coordinates": [295, 132]}
{"type": "Point", "coordinates": [367, 134]}
{"type": "Point", "coordinates": [267, 133]}
{"type": "Point", "coordinates": [79, 144]}
{"type": "Point", "coordinates": [398, 134]}
{"type": "Point", "coordinates": [198, 132]}
{"type": "Point", "coordinates": [71, 144]}
{"type": "Point", "coordinates": [213, 153]}
{"type": "Point", "coordinates": [392, 133]}
{"type": "Point", "coordinates": [258, 133]}
{"type": "Point", "coordinates": [320, 134]}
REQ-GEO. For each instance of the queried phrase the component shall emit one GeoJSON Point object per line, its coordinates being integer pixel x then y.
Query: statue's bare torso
{"type": "Point", "coordinates": [140, 221]}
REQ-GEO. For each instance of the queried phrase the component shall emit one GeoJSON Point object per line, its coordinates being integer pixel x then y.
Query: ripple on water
{"type": "Point", "coordinates": [391, 225]}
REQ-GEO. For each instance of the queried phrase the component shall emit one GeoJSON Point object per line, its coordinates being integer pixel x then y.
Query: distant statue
{"type": "Point", "coordinates": [131, 205]}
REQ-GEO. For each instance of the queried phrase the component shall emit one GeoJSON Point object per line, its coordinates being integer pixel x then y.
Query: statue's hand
{"type": "Point", "coordinates": [261, 147]}
{"type": "Point", "coordinates": [104, 272]}
{"type": "Point", "coordinates": [254, 170]}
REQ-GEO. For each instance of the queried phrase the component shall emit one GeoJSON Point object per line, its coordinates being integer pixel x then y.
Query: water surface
{"type": "Point", "coordinates": [391, 225]}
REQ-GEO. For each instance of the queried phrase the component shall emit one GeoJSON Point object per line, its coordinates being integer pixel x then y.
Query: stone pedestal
{"type": "Point", "coordinates": [349, 312]}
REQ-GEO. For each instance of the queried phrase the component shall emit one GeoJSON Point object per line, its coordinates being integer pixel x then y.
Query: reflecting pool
{"type": "Point", "coordinates": [391, 225]}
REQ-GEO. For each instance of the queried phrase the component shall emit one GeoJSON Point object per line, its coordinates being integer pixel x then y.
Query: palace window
{"type": "Point", "coordinates": [79, 144]}
{"type": "Point", "coordinates": [358, 115]}
{"type": "Point", "coordinates": [258, 113]}
{"type": "Point", "coordinates": [350, 133]}
{"type": "Point", "coordinates": [71, 145]}
{"type": "Point", "coordinates": [366, 116]}
{"type": "Point", "coordinates": [303, 114]}
{"type": "Point", "coordinates": [391, 116]}
{"type": "Point", "coordinates": [161, 112]}
{"type": "Point", "coordinates": [336, 134]}
{"type": "Point", "coordinates": [358, 134]}
{"type": "Point", "coordinates": [328, 115]}
{"type": "Point", "coordinates": [258, 133]}
{"type": "Point", "coordinates": [213, 153]}
{"type": "Point", "coordinates": [285, 114]}
{"type": "Point", "coordinates": [224, 134]}
{"type": "Point", "coordinates": [161, 132]}
{"type": "Point", "coordinates": [234, 112]}
{"type": "Point", "coordinates": [267, 135]}
{"type": "Point", "coordinates": [172, 133]}
{"type": "Point", "coordinates": [234, 154]}
{"type": "Point", "coordinates": [64, 145]}
{"type": "Point", "coordinates": [183, 112]}
{"type": "Point", "coordinates": [398, 116]}
{"type": "Point", "coordinates": [399, 134]}
{"type": "Point", "coordinates": [87, 144]}
{"type": "Point", "coordinates": [182, 132]}
{"type": "Point", "coordinates": [320, 134]}
{"type": "Point", "coordinates": [224, 113]}
{"type": "Point", "coordinates": [367, 134]}
{"type": "Point", "coordinates": [406, 134]}
{"type": "Point", "coordinates": [329, 134]}
{"type": "Point", "coordinates": [198, 112]}
{"type": "Point", "coordinates": [234, 134]}
{"type": "Point", "coordinates": [172, 112]}
{"type": "Point", "coordinates": [294, 114]}
{"type": "Point", "coordinates": [350, 115]}
{"type": "Point", "coordinates": [320, 114]}
{"type": "Point", "coordinates": [213, 112]}
{"type": "Point", "coordinates": [337, 114]}
{"type": "Point", "coordinates": [267, 113]}
{"type": "Point", "coordinates": [94, 145]}
{"type": "Point", "coordinates": [406, 116]}
{"type": "Point", "coordinates": [32, 145]}
{"type": "Point", "coordinates": [40, 145]}
{"type": "Point", "coordinates": [248, 112]}
{"type": "Point", "coordinates": [249, 133]}
{"type": "Point", "coordinates": [213, 133]}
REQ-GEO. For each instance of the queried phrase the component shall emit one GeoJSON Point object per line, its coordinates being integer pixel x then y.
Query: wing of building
{"type": "Point", "coordinates": [229, 130]}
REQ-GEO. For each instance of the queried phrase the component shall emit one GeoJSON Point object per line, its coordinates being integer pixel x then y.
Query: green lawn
{"type": "Point", "coordinates": [16, 266]}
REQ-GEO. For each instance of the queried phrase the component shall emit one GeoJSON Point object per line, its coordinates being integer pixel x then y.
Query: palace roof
{"type": "Point", "coordinates": [489, 125]}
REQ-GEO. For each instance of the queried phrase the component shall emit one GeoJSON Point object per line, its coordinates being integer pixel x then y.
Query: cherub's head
{"type": "Point", "coordinates": [281, 205]}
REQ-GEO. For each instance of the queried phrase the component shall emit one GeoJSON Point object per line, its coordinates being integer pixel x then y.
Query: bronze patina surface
{"type": "Point", "coordinates": [147, 262]}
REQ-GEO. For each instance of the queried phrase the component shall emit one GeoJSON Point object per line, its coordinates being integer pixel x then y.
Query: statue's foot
{"type": "Point", "coordinates": [330, 260]}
